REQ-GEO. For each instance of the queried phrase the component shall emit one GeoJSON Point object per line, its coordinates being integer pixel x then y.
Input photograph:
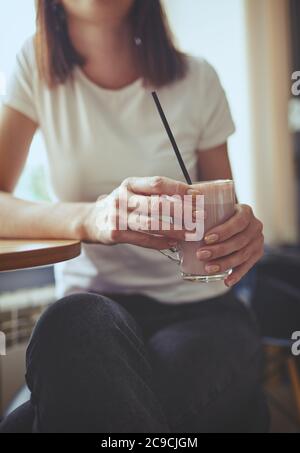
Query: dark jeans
{"type": "Point", "coordinates": [133, 365]}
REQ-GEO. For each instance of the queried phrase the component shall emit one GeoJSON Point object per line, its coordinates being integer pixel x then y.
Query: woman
{"type": "Point", "coordinates": [135, 349]}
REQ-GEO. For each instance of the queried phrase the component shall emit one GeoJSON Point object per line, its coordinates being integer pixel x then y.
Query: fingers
{"type": "Point", "coordinates": [241, 246]}
{"type": "Point", "coordinates": [145, 240]}
{"type": "Point", "coordinates": [238, 242]}
{"type": "Point", "coordinates": [156, 186]}
{"type": "Point", "coordinates": [240, 271]}
{"type": "Point", "coordinates": [187, 214]}
{"type": "Point", "coordinates": [235, 260]}
{"type": "Point", "coordinates": [237, 224]}
{"type": "Point", "coordinates": [142, 223]}
{"type": "Point", "coordinates": [156, 206]}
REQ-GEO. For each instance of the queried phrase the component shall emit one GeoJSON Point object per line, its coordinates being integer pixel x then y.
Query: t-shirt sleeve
{"type": "Point", "coordinates": [217, 124]}
{"type": "Point", "coordinates": [20, 89]}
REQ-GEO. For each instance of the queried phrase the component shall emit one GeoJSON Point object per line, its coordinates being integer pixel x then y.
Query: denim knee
{"type": "Point", "coordinates": [80, 324]}
{"type": "Point", "coordinates": [88, 371]}
{"type": "Point", "coordinates": [74, 313]}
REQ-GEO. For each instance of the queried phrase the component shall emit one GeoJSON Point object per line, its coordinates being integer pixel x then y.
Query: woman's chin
{"type": "Point", "coordinates": [98, 11]}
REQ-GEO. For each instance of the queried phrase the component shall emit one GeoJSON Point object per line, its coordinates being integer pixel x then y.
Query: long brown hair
{"type": "Point", "coordinates": [160, 62]}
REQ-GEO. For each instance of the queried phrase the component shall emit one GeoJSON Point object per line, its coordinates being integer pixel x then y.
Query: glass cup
{"type": "Point", "coordinates": [219, 206]}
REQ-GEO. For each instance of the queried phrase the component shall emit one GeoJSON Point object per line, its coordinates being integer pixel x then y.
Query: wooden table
{"type": "Point", "coordinates": [24, 254]}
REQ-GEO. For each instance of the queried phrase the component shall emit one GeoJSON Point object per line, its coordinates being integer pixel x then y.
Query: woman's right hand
{"type": "Point", "coordinates": [102, 222]}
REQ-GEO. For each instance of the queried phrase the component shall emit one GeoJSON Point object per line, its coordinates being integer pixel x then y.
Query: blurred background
{"type": "Point", "coordinates": [255, 47]}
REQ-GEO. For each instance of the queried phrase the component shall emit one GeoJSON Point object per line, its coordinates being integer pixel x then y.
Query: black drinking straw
{"type": "Point", "coordinates": [171, 137]}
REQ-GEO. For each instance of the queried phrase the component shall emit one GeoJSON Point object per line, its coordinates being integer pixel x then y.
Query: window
{"type": "Point", "coordinates": [17, 23]}
{"type": "Point", "coordinates": [216, 30]}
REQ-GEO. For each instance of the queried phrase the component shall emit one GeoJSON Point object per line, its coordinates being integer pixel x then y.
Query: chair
{"type": "Point", "coordinates": [273, 290]}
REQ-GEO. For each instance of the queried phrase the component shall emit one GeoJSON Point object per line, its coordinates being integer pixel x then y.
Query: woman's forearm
{"type": "Point", "coordinates": [21, 219]}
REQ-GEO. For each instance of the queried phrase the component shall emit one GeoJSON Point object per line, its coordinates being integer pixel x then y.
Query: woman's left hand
{"type": "Point", "coordinates": [238, 244]}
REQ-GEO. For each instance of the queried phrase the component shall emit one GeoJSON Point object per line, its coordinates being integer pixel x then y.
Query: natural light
{"type": "Point", "coordinates": [214, 30]}
{"type": "Point", "coordinates": [31, 185]}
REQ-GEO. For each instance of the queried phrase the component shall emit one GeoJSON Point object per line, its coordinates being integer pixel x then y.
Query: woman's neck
{"type": "Point", "coordinates": [108, 53]}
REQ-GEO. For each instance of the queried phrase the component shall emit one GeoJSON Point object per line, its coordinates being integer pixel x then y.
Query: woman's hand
{"type": "Point", "coordinates": [103, 221]}
{"type": "Point", "coordinates": [238, 244]}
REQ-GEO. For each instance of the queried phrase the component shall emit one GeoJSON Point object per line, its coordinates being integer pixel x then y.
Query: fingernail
{"type": "Point", "coordinates": [230, 283]}
{"type": "Point", "coordinates": [204, 255]}
{"type": "Point", "coordinates": [211, 239]}
{"type": "Point", "coordinates": [193, 192]}
{"type": "Point", "coordinates": [212, 269]}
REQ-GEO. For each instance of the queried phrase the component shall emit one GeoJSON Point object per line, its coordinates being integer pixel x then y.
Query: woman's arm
{"type": "Point", "coordinates": [16, 134]}
{"type": "Point", "coordinates": [22, 219]}
{"type": "Point", "coordinates": [90, 222]}
{"type": "Point", "coordinates": [239, 243]}
{"type": "Point", "coordinates": [214, 164]}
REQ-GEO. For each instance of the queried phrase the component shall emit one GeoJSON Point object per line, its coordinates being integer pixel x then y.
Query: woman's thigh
{"type": "Point", "coordinates": [208, 370]}
{"type": "Point", "coordinates": [88, 371]}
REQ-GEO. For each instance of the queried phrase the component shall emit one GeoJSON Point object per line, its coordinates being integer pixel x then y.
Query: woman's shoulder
{"type": "Point", "coordinates": [200, 68]}
{"type": "Point", "coordinates": [26, 53]}
{"type": "Point", "coordinates": [25, 62]}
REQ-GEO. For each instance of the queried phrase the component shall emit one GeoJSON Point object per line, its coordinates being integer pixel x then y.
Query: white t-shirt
{"type": "Point", "coordinates": [95, 138]}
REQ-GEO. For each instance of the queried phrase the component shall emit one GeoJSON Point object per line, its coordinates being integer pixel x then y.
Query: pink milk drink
{"type": "Point", "coordinates": [219, 206]}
